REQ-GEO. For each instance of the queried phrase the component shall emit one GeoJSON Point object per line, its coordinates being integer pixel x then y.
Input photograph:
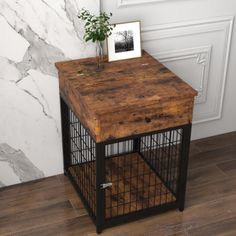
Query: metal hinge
{"type": "Point", "coordinates": [105, 185]}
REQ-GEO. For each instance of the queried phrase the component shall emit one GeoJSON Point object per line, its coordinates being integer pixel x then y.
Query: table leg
{"type": "Point", "coordinates": [136, 145]}
{"type": "Point", "coordinates": [65, 127]}
{"type": "Point", "coordinates": [183, 171]}
{"type": "Point", "coordinates": [100, 194]}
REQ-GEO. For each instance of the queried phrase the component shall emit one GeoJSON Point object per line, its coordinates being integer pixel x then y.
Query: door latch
{"type": "Point", "coordinates": [105, 185]}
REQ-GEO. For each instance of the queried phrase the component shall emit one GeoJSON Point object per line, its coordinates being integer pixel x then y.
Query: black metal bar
{"type": "Point", "coordinates": [100, 194]}
{"type": "Point", "coordinates": [183, 165]}
{"type": "Point", "coordinates": [136, 144]}
{"type": "Point", "coordinates": [110, 141]}
{"type": "Point", "coordinates": [65, 127]}
{"type": "Point", "coordinates": [140, 214]}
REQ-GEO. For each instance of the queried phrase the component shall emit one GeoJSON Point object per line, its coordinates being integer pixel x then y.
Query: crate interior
{"type": "Point", "coordinates": [135, 186]}
{"type": "Point", "coordinates": [143, 171]}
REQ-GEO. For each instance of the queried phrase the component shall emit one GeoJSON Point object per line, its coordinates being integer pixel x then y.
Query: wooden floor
{"type": "Point", "coordinates": [51, 207]}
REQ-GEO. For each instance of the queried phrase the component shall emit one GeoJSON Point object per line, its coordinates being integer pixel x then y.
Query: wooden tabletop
{"type": "Point", "coordinates": [121, 87]}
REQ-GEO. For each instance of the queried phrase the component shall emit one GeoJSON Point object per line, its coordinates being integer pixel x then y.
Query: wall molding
{"type": "Point", "coordinates": [125, 3]}
{"type": "Point", "coordinates": [181, 29]}
{"type": "Point", "coordinates": [191, 28]}
{"type": "Point", "coordinates": [202, 57]}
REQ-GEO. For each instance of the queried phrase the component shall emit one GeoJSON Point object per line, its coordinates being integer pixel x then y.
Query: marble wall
{"type": "Point", "coordinates": [34, 35]}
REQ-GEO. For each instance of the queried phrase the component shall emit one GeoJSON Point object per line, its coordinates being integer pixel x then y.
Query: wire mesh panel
{"type": "Point", "coordinates": [82, 161]}
{"type": "Point", "coordinates": [162, 153]}
{"type": "Point", "coordinates": [145, 178]}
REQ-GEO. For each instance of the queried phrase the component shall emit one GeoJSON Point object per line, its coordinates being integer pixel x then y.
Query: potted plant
{"type": "Point", "coordinates": [97, 29]}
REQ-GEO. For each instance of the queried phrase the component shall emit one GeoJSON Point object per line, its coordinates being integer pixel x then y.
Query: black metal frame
{"type": "Point", "coordinates": [97, 210]}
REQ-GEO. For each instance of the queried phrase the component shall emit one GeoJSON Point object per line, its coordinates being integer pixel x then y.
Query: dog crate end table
{"type": "Point", "coordinates": [126, 134]}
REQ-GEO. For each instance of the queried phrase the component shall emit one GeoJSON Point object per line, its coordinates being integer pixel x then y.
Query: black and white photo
{"type": "Point", "coordinates": [125, 42]}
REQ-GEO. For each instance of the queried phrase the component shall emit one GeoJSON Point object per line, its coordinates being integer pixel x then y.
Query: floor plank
{"type": "Point", "coordinates": [210, 192]}
{"type": "Point", "coordinates": [80, 226]}
{"type": "Point", "coordinates": [222, 228]}
{"type": "Point", "coordinates": [211, 157]}
{"type": "Point", "coordinates": [52, 207]}
{"type": "Point", "coordinates": [217, 142]}
{"type": "Point", "coordinates": [228, 167]}
{"type": "Point", "coordinates": [54, 213]}
{"type": "Point", "coordinates": [205, 175]}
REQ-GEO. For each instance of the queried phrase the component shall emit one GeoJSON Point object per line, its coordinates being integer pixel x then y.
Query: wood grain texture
{"type": "Point", "coordinates": [126, 98]}
{"type": "Point", "coordinates": [52, 207]}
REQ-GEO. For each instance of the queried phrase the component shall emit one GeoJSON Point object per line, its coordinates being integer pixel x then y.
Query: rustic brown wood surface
{"type": "Point", "coordinates": [52, 207]}
{"type": "Point", "coordinates": [126, 97]}
{"type": "Point", "coordinates": [135, 185]}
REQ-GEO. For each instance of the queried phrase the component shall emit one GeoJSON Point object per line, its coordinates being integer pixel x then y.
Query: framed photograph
{"type": "Point", "coordinates": [124, 42]}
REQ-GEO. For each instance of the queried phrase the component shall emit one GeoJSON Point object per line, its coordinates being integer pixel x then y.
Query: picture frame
{"type": "Point", "coordinates": [125, 41]}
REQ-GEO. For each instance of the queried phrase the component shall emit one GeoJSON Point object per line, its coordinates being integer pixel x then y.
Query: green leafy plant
{"type": "Point", "coordinates": [97, 28]}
